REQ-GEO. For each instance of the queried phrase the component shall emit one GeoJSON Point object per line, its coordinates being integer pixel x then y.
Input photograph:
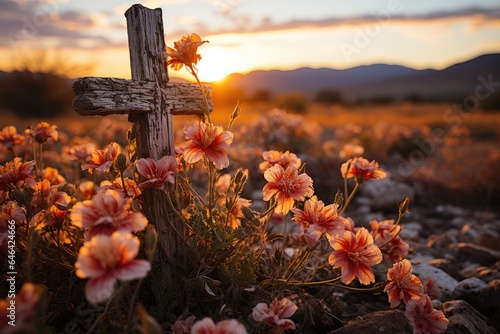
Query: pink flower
{"type": "Point", "coordinates": [319, 218]}
{"type": "Point", "coordinates": [207, 326]}
{"type": "Point", "coordinates": [27, 302]}
{"type": "Point", "coordinates": [209, 140]}
{"type": "Point", "coordinates": [158, 172]}
{"type": "Point", "coordinates": [287, 185]}
{"type": "Point", "coordinates": [355, 254]}
{"type": "Point", "coordinates": [361, 170]}
{"type": "Point", "coordinates": [183, 326]}
{"type": "Point", "coordinates": [102, 160]}
{"type": "Point", "coordinates": [107, 213]}
{"type": "Point", "coordinates": [284, 159]}
{"type": "Point", "coordinates": [10, 138]}
{"type": "Point", "coordinates": [105, 259]}
{"type": "Point", "coordinates": [424, 318]}
{"type": "Point", "coordinates": [43, 132]}
{"type": "Point", "coordinates": [16, 173]}
{"type": "Point", "coordinates": [276, 314]}
{"type": "Point", "coordinates": [403, 285]}
{"type": "Point", "coordinates": [431, 287]}
{"type": "Point", "coordinates": [185, 52]}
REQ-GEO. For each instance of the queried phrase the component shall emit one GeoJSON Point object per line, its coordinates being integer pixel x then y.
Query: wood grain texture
{"type": "Point", "coordinates": [107, 96]}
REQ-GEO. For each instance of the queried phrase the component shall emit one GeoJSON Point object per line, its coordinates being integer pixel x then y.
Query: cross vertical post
{"type": "Point", "coordinates": [154, 132]}
{"type": "Point", "coordinates": [150, 101]}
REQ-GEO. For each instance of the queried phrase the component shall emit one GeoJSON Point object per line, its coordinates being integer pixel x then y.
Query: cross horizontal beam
{"type": "Point", "coordinates": [106, 96]}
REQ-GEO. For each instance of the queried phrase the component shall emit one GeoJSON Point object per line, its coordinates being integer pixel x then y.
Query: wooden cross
{"type": "Point", "coordinates": [150, 101]}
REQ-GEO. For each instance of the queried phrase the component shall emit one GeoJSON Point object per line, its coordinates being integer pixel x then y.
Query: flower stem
{"type": "Point", "coordinates": [123, 183]}
{"type": "Point", "coordinates": [203, 93]}
{"type": "Point", "coordinates": [41, 160]}
{"type": "Point", "coordinates": [351, 196]}
{"type": "Point", "coordinates": [194, 192]}
{"type": "Point", "coordinates": [98, 320]}
{"type": "Point", "coordinates": [132, 302]}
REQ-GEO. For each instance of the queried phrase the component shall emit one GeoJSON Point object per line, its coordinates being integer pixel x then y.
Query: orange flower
{"type": "Point", "coordinates": [46, 195]}
{"type": "Point", "coordinates": [288, 185]}
{"type": "Point", "coordinates": [185, 52]}
{"type": "Point", "coordinates": [107, 213]}
{"type": "Point", "coordinates": [228, 326]}
{"type": "Point", "coordinates": [385, 235]}
{"type": "Point", "coordinates": [16, 173]}
{"type": "Point", "coordinates": [403, 285]}
{"type": "Point", "coordinates": [86, 189]}
{"type": "Point", "coordinates": [398, 249]}
{"type": "Point", "coordinates": [383, 231]}
{"type": "Point", "coordinates": [209, 140]}
{"type": "Point", "coordinates": [431, 287]}
{"type": "Point", "coordinates": [350, 151]}
{"type": "Point", "coordinates": [103, 159]}
{"type": "Point", "coordinates": [80, 151]}
{"type": "Point", "coordinates": [361, 170]}
{"type": "Point", "coordinates": [284, 159]}
{"type": "Point", "coordinates": [157, 173]}
{"type": "Point", "coordinates": [355, 254]}
{"type": "Point", "coordinates": [222, 185]}
{"type": "Point", "coordinates": [108, 258]}
{"type": "Point", "coordinates": [320, 219]}
{"type": "Point", "coordinates": [9, 211]}
{"type": "Point", "coordinates": [9, 137]}
{"type": "Point", "coordinates": [276, 314]}
{"type": "Point", "coordinates": [424, 318]}
{"type": "Point", "coordinates": [132, 188]}
{"type": "Point", "coordinates": [53, 176]}
{"type": "Point", "coordinates": [43, 132]}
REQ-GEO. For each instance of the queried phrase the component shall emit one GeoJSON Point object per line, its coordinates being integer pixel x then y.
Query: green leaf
{"type": "Point", "coordinates": [339, 199]}
{"type": "Point", "coordinates": [247, 213]}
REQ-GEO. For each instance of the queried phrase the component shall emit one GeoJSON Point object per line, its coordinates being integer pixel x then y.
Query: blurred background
{"type": "Point", "coordinates": [415, 84]}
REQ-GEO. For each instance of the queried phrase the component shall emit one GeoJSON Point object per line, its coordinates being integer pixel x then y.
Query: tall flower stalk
{"type": "Point", "coordinates": [184, 53]}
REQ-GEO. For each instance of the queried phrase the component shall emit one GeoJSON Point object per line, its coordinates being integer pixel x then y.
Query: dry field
{"type": "Point", "coordinates": [460, 173]}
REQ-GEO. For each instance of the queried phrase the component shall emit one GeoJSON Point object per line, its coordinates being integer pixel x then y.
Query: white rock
{"type": "Point", "coordinates": [386, 194]}
{"type": "Point", "coordinates": [446, 283]}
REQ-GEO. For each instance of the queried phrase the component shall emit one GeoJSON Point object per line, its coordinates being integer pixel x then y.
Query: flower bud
{"type": "Point", "coordinates": [17, 195]}
{"type": "Point", "coordinates": [121, 162]}
{"type": "Point", "coordinates": [405, 206]}
{"type": "Point", "coordinates": [150, 241]}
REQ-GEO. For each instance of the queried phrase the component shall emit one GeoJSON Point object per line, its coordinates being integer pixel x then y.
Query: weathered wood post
{"type": "Point", "coordinates": [150, 101]}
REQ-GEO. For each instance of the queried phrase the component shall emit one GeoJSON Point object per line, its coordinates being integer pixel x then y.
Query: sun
{"type": "Point", "coordinates": [217, 62]}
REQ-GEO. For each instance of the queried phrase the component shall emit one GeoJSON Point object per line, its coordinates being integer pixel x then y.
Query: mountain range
{"type": "Point", "coordinates": [377, 80]}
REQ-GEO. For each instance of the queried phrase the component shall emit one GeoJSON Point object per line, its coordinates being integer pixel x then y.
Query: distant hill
{"type": "Point", "coordinates": [395, 81]}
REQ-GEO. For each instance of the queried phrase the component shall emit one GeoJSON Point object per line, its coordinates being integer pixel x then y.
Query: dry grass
{"type": "Point", "coordinates": [436, 114]}
{"type": "Point", "coordinates": [328, 116]}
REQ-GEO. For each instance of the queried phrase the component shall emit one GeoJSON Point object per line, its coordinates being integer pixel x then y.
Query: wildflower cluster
{"type": "Point", "coordinates": [253, 257]}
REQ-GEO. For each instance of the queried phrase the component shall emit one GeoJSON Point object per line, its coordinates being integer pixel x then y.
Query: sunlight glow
{"type": "Point", "coordinates": [217, 62]}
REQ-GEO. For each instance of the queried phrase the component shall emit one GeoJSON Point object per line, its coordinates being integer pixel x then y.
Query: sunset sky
{"type": "Point", "coordinates": [246, 35]}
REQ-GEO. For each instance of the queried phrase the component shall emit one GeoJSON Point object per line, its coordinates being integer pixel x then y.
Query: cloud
{"type": "Point", "coordinates": [25, 23]}
{"type": "Point", "coordinates": [480, 16]}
